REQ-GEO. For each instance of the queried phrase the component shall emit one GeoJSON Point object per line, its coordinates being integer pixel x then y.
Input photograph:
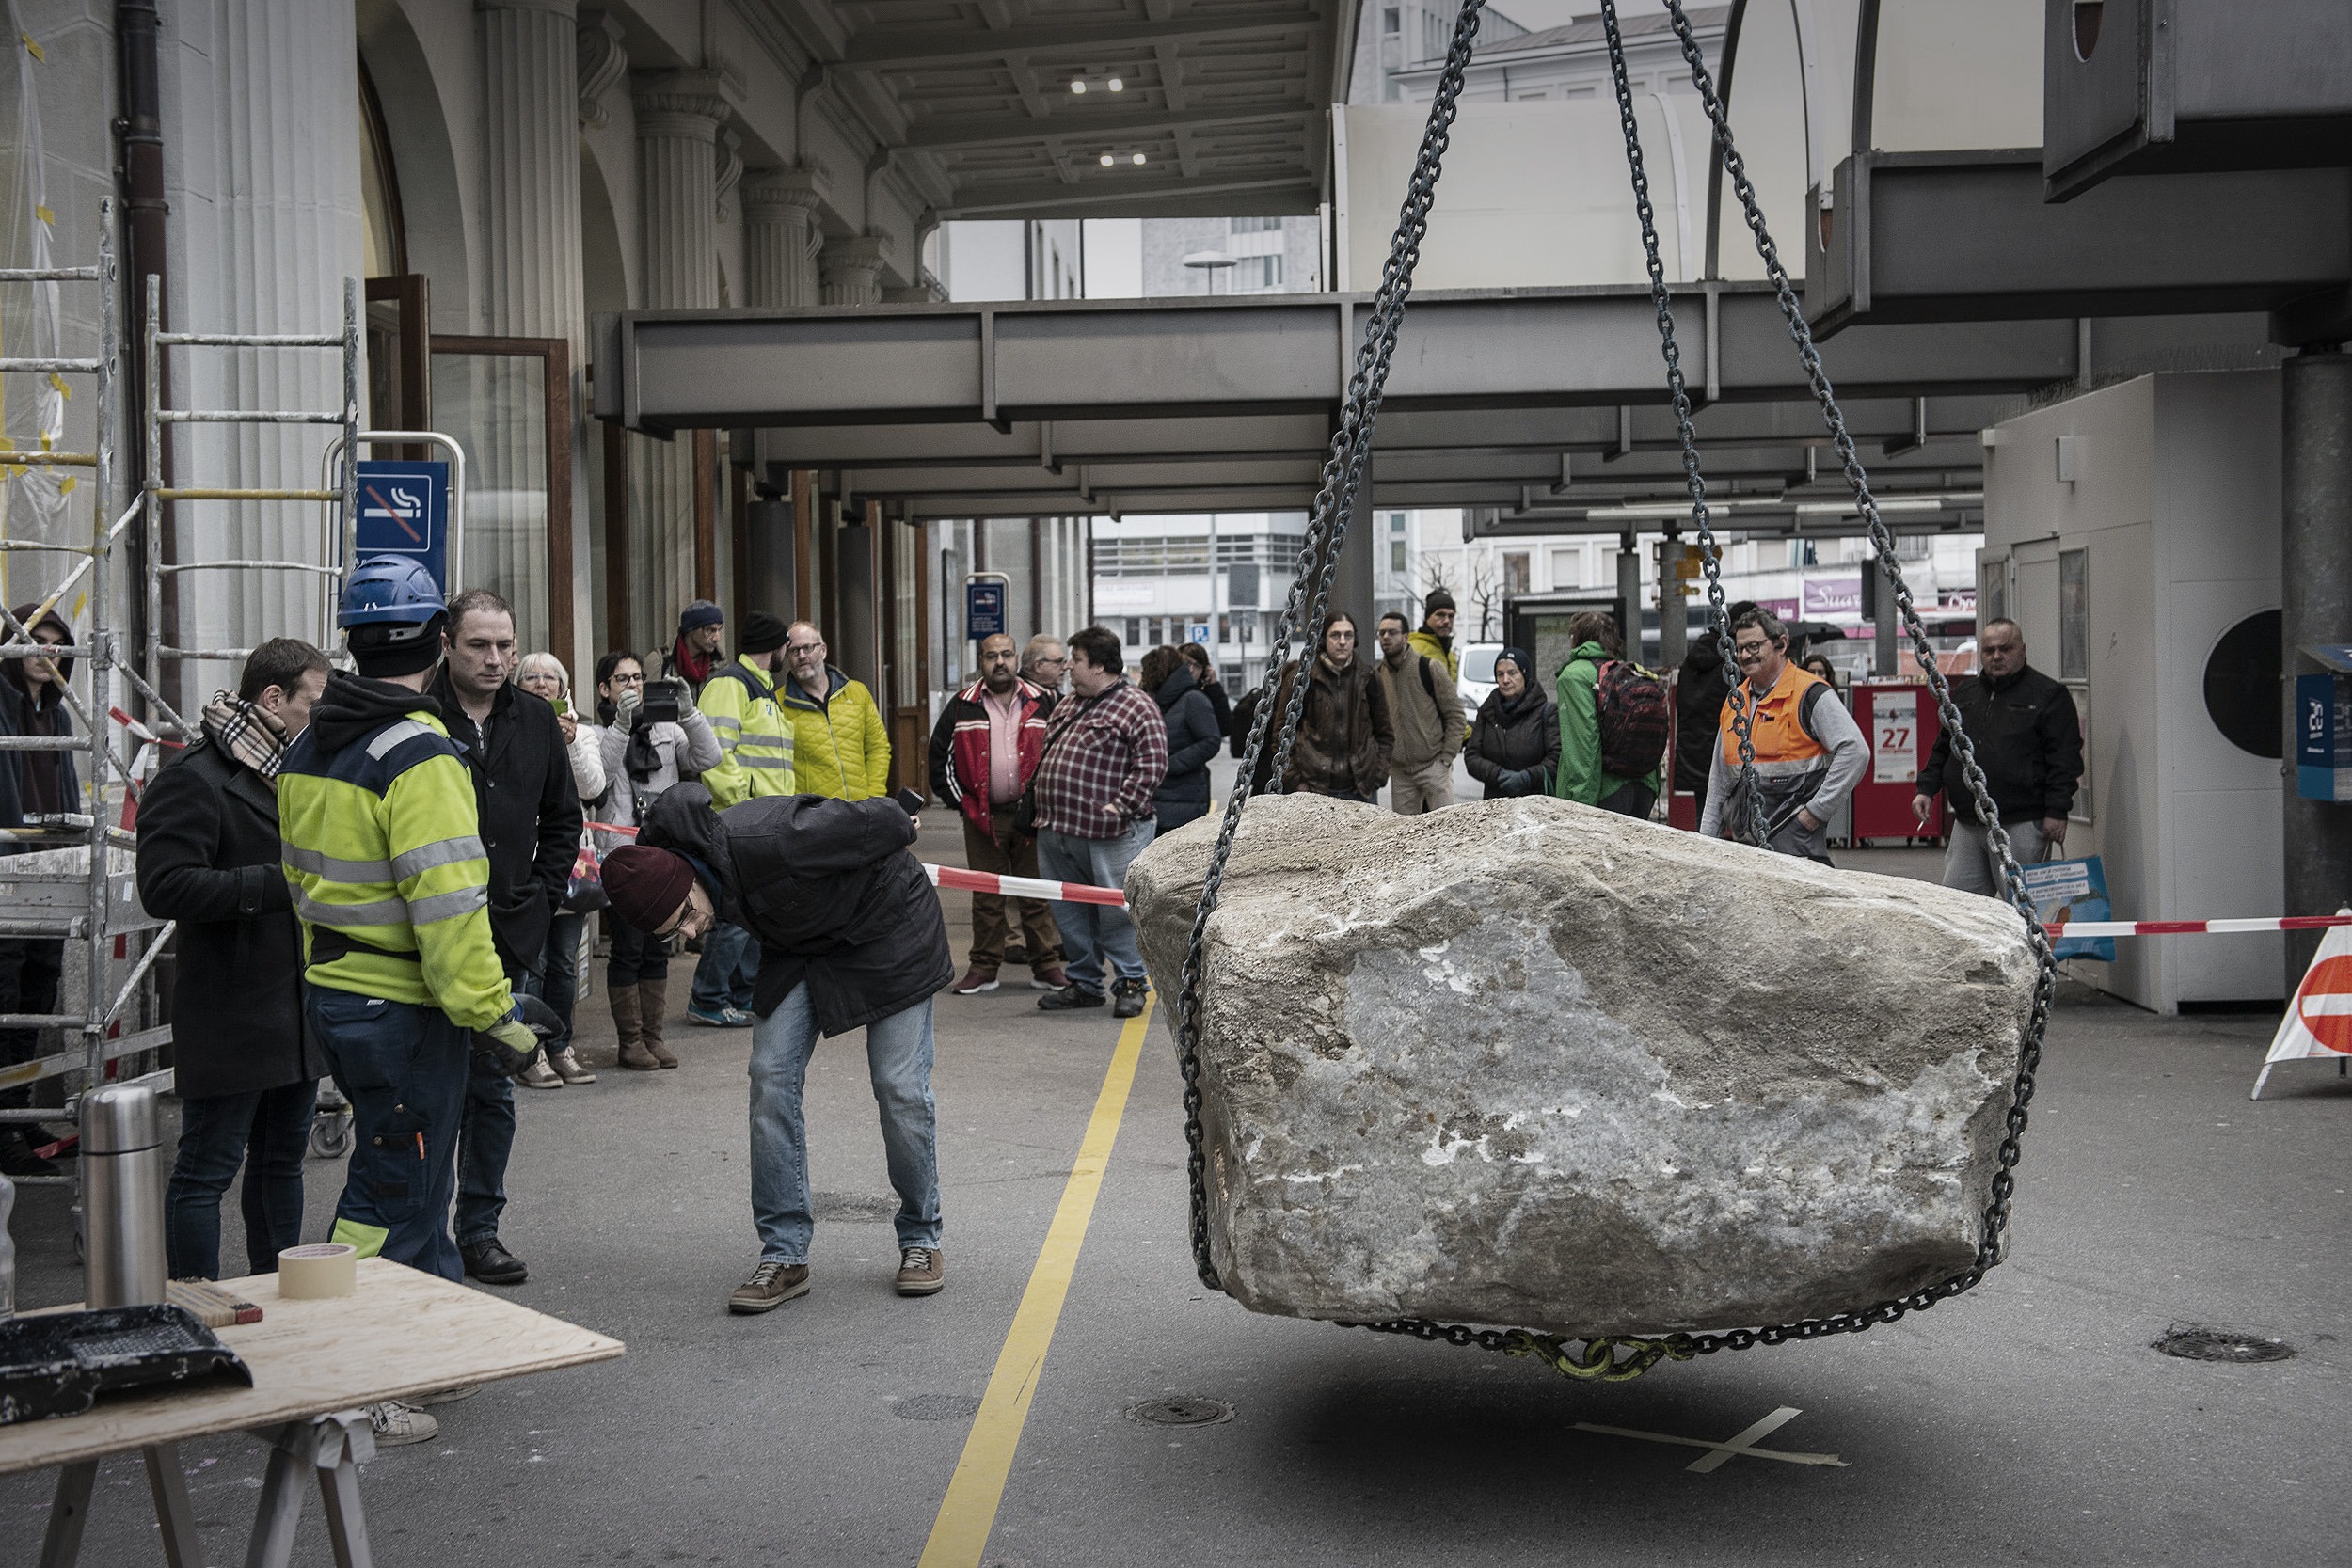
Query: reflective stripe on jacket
{"type": "Point", "coordinates": [755, 740]}
{"type": "Point", "coordinates": [841, 747]}
{"type": "Point", "coordinates": [1808, 754]}
{"type": "Point", "coordinates": [380, 843]}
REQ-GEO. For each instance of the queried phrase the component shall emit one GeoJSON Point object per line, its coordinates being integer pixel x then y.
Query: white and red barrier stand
{"type": "Point", "coordinates": [2319, 1014]}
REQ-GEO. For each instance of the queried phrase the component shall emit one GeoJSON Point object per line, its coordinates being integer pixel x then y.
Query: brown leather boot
{"type": "Point", "coordinates": [628, 1023]}
{"type": "Point", "coordinates": [653, 1005]}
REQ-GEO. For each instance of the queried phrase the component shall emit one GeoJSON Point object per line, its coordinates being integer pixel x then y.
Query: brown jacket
{"type": "Point", "coordinates": [1345, 736]}
{"type": "Point", "coordinates": [1425, 707]}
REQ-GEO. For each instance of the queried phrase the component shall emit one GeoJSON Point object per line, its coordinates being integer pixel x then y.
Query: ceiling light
{"type": "Point", "coordinates": [1108, 160]}
{"type": "Point", "coordinates": [1138, 158]}
{"type": "Point", "coordinates": [1116, 85]}
{"type": "Point", "coordinates": [1078, 85]}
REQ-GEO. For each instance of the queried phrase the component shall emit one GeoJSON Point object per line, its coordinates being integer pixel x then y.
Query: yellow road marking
{"type": "Point", "coordinates": [959, 1534]}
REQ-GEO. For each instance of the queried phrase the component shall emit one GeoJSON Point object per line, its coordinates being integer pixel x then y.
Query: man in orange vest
{"type": "Point", "coordinates": [1809, 752]}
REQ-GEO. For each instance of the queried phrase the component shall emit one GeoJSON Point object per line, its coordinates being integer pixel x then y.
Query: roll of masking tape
{"type": "Point", "coordinates": [315, 1273]}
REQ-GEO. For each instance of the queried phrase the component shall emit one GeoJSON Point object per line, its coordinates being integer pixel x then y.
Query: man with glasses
{"type": "Point", "coordinates": [850, 937]}
{"type": "Point", "coordinates": [1809, 752]}
{"type": "Point", "coordinates": [840, 745]}
{"type": "Point", "coordinates": [1046, 663]}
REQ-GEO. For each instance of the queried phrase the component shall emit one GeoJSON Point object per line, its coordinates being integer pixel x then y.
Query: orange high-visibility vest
{"type": "Point", "coordinates": [1776, 725]}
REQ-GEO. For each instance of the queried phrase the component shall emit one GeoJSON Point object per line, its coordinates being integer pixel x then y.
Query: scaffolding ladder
{"type": "Point", "coordinates": [46, 894]}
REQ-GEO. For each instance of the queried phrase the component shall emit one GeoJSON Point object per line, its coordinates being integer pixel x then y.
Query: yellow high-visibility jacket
{"type": "Point", "coordinates": [841, 746]}
{"type": "Point", "coordinates": [381, 849]}
{"type": "Point", "coordinates": [755, 740]}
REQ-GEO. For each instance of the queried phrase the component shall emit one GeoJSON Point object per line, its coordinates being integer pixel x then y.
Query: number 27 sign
{"type": "Point", "coordinates": [1894, 737]}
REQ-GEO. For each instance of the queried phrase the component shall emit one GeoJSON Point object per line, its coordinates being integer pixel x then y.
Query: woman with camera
{"type": "Point", "coordinates": [651, 737]}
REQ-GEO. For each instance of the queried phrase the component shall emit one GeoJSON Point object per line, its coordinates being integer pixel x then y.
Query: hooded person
{"type": "Point", "coordinates": [850, 936]}
{"type": "Point", "coordinates": [1515, 741]}
{"type": "Point", "coordinates": [32, 784]}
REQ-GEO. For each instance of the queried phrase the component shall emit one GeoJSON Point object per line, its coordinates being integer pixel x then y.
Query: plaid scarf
{"type": "Point", "coordinates": [249, 734]}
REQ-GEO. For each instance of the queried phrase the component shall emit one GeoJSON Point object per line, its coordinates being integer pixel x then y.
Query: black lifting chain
{"type": "Point", "coordinates": [1310, 590]}
{"type": "Point", "coordinates": [1618, 1357]}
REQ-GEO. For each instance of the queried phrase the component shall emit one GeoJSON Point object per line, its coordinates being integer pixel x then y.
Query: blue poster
{"type": "Point", "coordinates": [403, 510]}
{"type": "Point", "coordinates": [983, 608]}
{"type": "Point", "coordinates": [2067, 890]}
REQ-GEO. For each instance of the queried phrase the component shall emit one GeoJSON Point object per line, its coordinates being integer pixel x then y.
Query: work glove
{"type": "Point", "coordinates": [625, 707]}
{"type": "Point", "coordinates": [685, 708]}
{"type": "Point", "coordinates": [512, 1042]}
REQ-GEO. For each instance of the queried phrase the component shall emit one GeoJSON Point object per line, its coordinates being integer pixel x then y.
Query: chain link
{"type": "Point", "coordinates": [1609, 1358]}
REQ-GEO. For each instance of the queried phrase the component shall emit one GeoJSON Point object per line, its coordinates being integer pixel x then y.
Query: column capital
{"type": "Point", "coordinates": [602, 63]}
{"type": "Point", "coordinates": [768, 190]}
{"type": "Point", "coordinates": [866, 252]}
{"type": "Point", "coordinates": [684, 104]}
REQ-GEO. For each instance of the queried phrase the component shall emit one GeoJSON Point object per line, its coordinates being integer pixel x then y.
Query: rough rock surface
{"type": "Point", "coordinates": [1524, 1062]}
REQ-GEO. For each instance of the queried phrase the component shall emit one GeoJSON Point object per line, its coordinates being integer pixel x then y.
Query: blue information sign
{"type": "Point", "coordinates": [2323, 736]}
{"type": "Point", "coordinates": [403, 510]}
{"type": "Point", "coordinates": [983, 609]}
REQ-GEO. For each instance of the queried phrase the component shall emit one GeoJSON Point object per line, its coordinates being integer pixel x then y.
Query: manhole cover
{"type": "Point", "coordinates": [2193, 1343]}
{"type": "Point", "coordinates": [1181, 1412]}
{"type": "Point", "coordinates": [852, 1207]}
{"type": "Point", "coordinates": [939, 1407]}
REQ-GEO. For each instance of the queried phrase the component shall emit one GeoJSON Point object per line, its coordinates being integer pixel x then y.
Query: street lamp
{"type": "Point", "coordinates": [1209, 262]}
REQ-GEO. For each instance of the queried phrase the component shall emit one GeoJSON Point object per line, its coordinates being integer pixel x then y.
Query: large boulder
{"type": "Point", "coordinates": [1527, 1063]}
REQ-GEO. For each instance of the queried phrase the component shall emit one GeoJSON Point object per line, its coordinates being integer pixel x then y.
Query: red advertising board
{"type": "Point", "coordinates": [1900, 722]}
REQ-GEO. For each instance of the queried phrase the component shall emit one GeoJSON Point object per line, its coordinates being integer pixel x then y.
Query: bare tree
{"type": "Point", "coordinates": [1486, 593]}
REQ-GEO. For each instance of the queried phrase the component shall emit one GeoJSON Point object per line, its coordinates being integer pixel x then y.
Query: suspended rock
{"type": "Point", "coordinates": [1527, 1062]}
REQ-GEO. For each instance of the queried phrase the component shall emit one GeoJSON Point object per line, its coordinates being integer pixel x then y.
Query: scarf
{"type": "Point", "coordinates": [695, 667]}
{"type": "Point", "coordinates": [252, 735]}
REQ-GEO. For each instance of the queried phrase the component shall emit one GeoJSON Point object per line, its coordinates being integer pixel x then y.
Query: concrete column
{"type": "Point", "coordinates": [531, 289]}
{"type": "Point", "coordinates": [266, 227]}
{"type": "Point", "coordinates": [678, 114]}
{"type": "Point", "coordinates": [852, 269]}
{"type": "Point", "coordinates": [780, 237]}
{"type": "Point", "coordinates": [2315, 578]}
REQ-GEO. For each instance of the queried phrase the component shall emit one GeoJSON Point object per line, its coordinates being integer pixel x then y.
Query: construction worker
{"type": "Point", "coordinates": [756, 761]}
{"type": "Point", "coordinates": [383, 853]}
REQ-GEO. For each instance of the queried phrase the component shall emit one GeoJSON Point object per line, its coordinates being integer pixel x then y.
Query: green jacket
{"type": "Point", "coordinates": [841, 748]}
{"type": "Point", "coordinates": [1580, 776]}
{"type": "Point", "coordinates": [755, 737]}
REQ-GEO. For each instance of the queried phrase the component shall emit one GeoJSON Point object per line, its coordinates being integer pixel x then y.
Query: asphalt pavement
{"type": "Point", "coordinates": [2028, 1422]}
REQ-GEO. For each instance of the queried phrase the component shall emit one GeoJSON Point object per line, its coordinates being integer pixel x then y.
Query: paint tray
{"type": "Point", "coordinates": [59, 1363]}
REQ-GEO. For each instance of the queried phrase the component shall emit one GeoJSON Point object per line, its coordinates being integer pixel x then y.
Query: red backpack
{"type": "Point", "coordinates": [1630, 703]}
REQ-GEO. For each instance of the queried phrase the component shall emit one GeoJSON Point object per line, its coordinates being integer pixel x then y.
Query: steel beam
{"type": "Point", "coordinates": [1967, 237]}
{"type": "Point", "coordinates": [660, 371]}
{"type": "Point", "coordinates": [893, 49]}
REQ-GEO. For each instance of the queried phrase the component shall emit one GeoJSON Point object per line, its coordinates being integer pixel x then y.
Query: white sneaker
{"type": "Point", "coordinates": [539, 1075]}
{"type": "Point", "coordinates": [396, 1423]}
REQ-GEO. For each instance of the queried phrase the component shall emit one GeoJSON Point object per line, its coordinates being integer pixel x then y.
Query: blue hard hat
{"type": "Point", "coordinates": [388, 591]}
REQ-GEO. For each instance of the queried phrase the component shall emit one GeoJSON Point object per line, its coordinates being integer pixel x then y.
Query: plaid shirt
{"type": "Point", "coordinates": [1104, 758]}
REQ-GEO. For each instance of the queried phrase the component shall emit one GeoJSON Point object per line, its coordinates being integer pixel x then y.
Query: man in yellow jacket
{"type": "Point", "coordinates": [382, 851]}
{"type": "Point", "coordinates": [755, 760]}
{"type": "Point", "coordinates": [840, 745]}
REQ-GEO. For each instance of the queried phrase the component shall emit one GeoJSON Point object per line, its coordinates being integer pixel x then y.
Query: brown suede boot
{"type": "Point", "coordinates": [653, 1005]}
{"type": "Point", "coordinates": [628, 1023]}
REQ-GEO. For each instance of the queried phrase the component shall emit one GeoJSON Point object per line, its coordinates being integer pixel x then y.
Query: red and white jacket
{"type": "Point", "coordinates": [960, 747]}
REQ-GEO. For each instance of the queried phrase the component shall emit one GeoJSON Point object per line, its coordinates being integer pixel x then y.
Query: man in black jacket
{"type": "Point", "coordinates": [2029, 743]}
{"type": "Point", "coordinates": [531, 819]}
{"type": "Point", "coordinates": [247, 1072]}
{"type": "Point", "coordinates": [850, 937]}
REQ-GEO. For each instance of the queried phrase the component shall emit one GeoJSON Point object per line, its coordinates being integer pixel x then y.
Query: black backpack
{"type": "Point", "coordinates": [1635, 718]}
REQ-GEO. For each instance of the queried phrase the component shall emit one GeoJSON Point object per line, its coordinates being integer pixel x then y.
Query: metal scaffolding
{"type": "Point", "coordinates": [79, 884]}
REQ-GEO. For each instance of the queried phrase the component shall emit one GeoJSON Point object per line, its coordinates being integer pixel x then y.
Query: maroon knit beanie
{"type": "Point", "coordinates": [646, 885]}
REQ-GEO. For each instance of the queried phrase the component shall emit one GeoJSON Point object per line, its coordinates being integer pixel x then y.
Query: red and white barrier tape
{"type": "Point", "coordinates": [982, 881]}
{"type": "Point", "coordinates": [2194, 927]}
{"type": "Point", "coordinates": [1024, 887]}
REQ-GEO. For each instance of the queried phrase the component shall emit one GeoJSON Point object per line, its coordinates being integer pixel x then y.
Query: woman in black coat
{"type": "Point", "coordinates": [245, 1068]}
{"type": "Point", "coordinates": [1515, 745]}
{"type": "Point", "coordinates": [1192, 738]}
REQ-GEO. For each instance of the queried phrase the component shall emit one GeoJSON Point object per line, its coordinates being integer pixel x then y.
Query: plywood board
{"type": "Point", "coordinates": [400, 1333]}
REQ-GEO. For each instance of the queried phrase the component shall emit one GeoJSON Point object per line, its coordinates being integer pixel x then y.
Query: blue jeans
{"type": "Point", "coordinates": [405, 1071]}
{"type": "Point", "coordinates": [266, 1133]}
{"type": "Point", "coordinates": [729, 965]}
{"type": "Point", "coordinates": [1091, 933]}
{"type": "Point", "coordinates": [559, 986]}
{"type": "Point", "coordinates": [898, 1059]}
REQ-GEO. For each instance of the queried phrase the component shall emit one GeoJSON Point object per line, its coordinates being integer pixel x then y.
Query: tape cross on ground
{"type": "Point", "coordinates": [1742, 1446]}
